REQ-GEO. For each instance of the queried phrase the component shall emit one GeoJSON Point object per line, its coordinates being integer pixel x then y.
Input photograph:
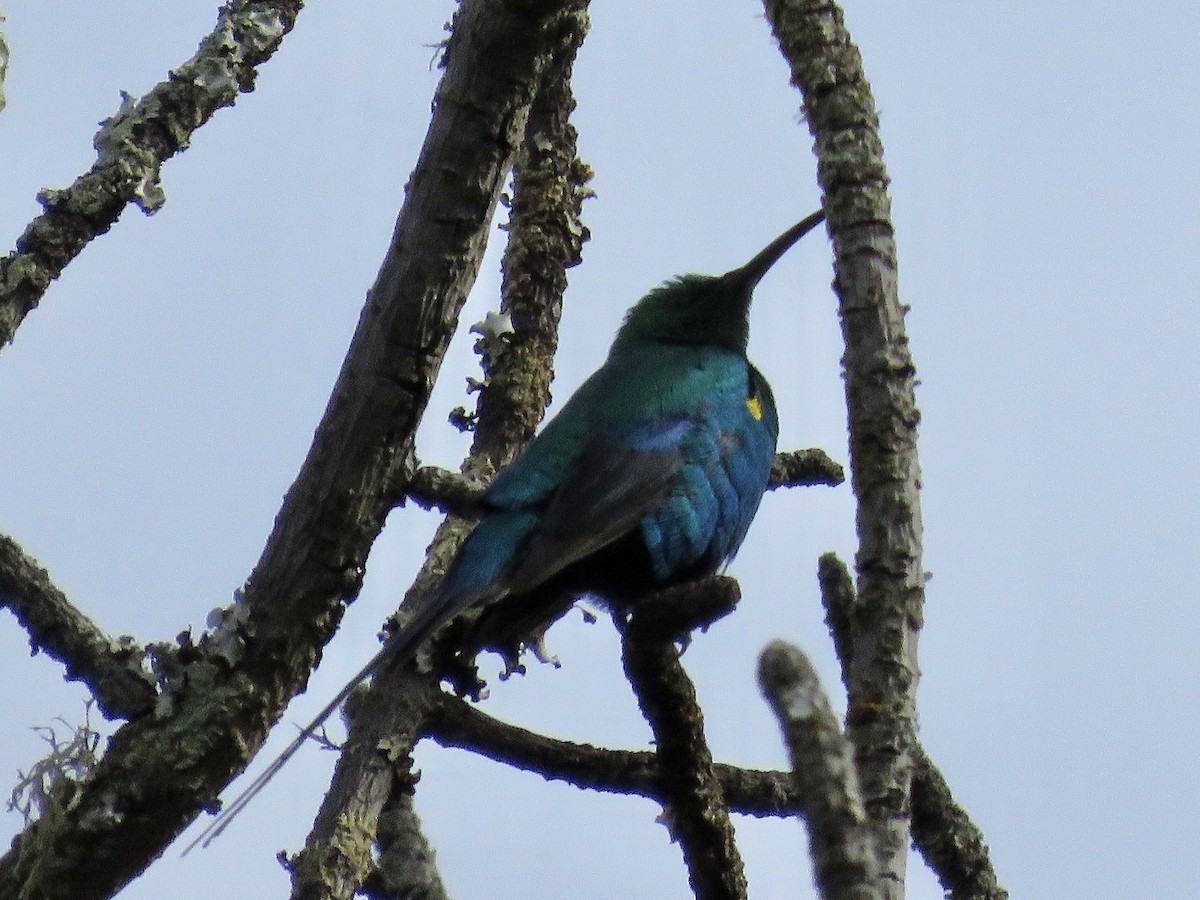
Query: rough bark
{"type": "Point", "coordinates": [943, 833]}
{"type": "Point", "coordinates": [159, 772]}
{"type": "Point", "coordinates": [545, 238]}
{"type": "Point", "coordinates": [695, 808]}
{"type": "Point", "coordinates": [133, 144]}
{"type": "Point", "coordinates": [111, 668]}
{"type": "Point", "coordinates": [882, 413]}
{"type": "Point", "coordinates": [843, 854]}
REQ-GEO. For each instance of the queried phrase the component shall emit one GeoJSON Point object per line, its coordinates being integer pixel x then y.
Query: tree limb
{"type": "Point", "coordinates": [953, 845]}
{"type": "Point", "coordinates": [3, 65]}
{"type": "Point", "coordinates": [374, 767]}
{"type": "Point", "coordinates": [695, 809]}
{"type": "Point", "coordinates": [838, 600]}
{"type": "Point", "coordinates": [432, 487]}
{"type": "Point", "coordinates": [112, 669]}
{"type": "Point", "coordinates": [406, 859]}
{"type": "Point", "coordinates": [132, 146]}
{"type": "Point", "coordinates": [455, 723]}
{"type": "Point", "coordinates": [840, 840]}
{"type": "Point", "coordinates": [548, 191]}
{"type": "Point", "coordinates": [361, 456]}
{"type": "Point", "coordinates": [882, 413]}
{"type": "Point", "coordinates": [803, 468]}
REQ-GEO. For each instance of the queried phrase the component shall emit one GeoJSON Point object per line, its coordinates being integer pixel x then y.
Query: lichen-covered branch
{"type": "Point", "coordinates": [951, 843]}
{"type": "Point", "coordinates": [838, 600]}
{"type": "Point", "coordinates": [406, 866]}
{"type": "Point", "coordinates": [695, 808]}
{"type": "Point", "coordinates": [132, 145]}
{"type": "Point", "coordinates": [882, 413]}
{"type": "Point", "coordinates": [374, 766]}
{"type": "Point", "coordinates": [111, 668]}
{"type": "Point", "coordinates": [548, 191]}
{"type": "Point", "coordinates": [314, 559]}
{"type": "Point", "coordinates": [546, 238]}
{"type": "Point", "coordinates": [844, 858]}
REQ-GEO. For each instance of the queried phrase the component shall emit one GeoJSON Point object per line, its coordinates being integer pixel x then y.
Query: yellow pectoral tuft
{"type": "Point", "coordinates": [755, 406]}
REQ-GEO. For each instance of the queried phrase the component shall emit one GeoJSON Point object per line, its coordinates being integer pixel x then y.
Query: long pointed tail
{"type": "Point", "coordinates": [473, 577]}
{"type": "Point", "coordinates": [398, 649]}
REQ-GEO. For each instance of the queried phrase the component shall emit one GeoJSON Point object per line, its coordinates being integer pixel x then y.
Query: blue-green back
{"type": "Point", "coordinates": [674, 440]}
{"type": "Point", "coordinates": [635, 389]}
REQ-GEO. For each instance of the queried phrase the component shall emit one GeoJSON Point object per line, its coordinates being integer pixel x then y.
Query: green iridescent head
{"type": "Point", "coordinates": [707, 309]}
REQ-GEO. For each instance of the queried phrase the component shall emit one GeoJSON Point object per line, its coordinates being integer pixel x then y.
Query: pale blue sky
{"type": "Point", "coordinates": [154, 410]}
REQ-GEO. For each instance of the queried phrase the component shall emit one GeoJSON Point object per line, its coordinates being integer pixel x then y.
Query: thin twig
{"type": "Point", "coordinates": [3, 64]}
{"type": "Point", "coordinates": [838, 600]}
{"type": "Point", "coordinates": [112, 669]}
{"type": "Point", "coordinates": [450, 492]}
{"type": "Point", "coordinates": [432, 487]}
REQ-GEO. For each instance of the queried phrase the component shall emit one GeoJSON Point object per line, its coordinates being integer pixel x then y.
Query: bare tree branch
{"type": "Point", "coordinates": [455, 723]}
{"type": "Point", "coordinates": [695, 809]}
{"type": "Point", "coordinates": [883, 418]}
{"type": "Point", "coordinates": [132, 146]}
{"type": "Point", "coordinates": [405, 857]}
{"type": "Point", "coordinates": [951, 843]}
{"type": "Point", "coordinates": [435, 488]}
{"type": "Point", "coordinates": [803, 468]}
{"type": "Point", "coordinates": [838, 599]}
{"type": "Point", "coordinates": [363, 451]}
{"type": "Point", "coordinates": [840, 841]}
{"type": "Point", "coordinates": [112, 669]}
{"type": "Point", "coordinates": [374, 766]}
{"type": "Point", "coordinates": [548, 192]}
{"type": "Point", "coordinates": [546, 237]}
{"type": "Point", "coordinates": [3, 65]}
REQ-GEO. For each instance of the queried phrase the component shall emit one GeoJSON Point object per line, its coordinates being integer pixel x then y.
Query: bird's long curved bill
{"type": "Point", "coordinates": [750, 274]}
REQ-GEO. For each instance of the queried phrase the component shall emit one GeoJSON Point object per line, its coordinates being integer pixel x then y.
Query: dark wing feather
{"type": "Point", "coordinates": [608, 488]}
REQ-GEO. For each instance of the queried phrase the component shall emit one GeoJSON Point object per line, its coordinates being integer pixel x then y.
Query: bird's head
{"type": "Point", "coordinates": [707, 309]}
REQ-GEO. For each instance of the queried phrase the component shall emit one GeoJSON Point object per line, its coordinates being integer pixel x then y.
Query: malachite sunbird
{"type": "Point", "coordinates": [647, 477]}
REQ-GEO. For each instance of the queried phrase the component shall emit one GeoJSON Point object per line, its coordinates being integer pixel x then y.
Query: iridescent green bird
{"type": "Point", "coordinates": [647, 477]}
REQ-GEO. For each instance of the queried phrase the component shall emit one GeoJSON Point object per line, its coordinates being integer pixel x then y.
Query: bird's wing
{"type": "Point", "coordinates": [611, 484]}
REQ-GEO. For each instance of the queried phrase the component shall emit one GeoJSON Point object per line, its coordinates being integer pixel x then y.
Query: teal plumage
{"type": "Point", "coordinates": [648, 476]}
{"type": "Point", "coordinates": [662, 441]}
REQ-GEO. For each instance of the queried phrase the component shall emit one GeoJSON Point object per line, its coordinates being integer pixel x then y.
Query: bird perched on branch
{"type": "Point", "coordinates": [647, 477]}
